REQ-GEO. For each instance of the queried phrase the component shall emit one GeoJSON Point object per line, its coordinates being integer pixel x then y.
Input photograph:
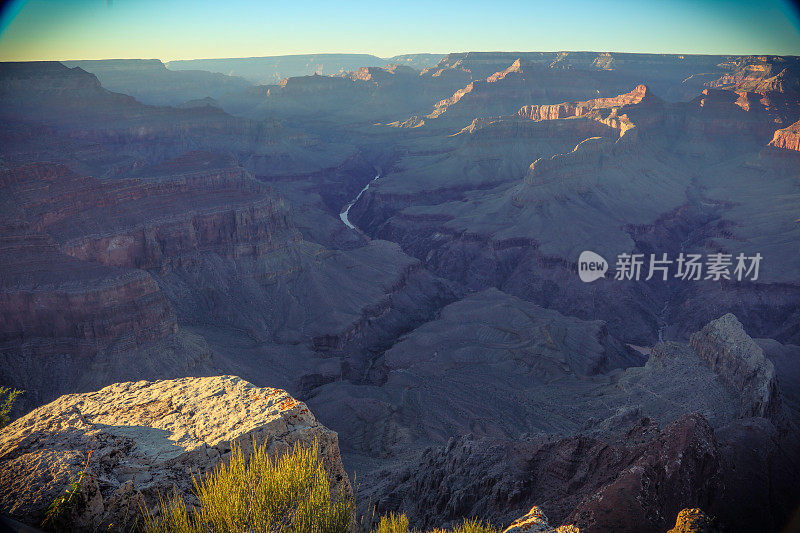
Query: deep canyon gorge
{"type": "Point", "coordinates": [395, 245]}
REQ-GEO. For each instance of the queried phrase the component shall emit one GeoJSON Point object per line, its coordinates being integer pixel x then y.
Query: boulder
{"type": "Point", "coordinates": [136, 441]}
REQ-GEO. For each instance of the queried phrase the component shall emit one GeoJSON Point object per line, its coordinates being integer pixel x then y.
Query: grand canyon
{"type": "Point", "coordinates": [383, 254]}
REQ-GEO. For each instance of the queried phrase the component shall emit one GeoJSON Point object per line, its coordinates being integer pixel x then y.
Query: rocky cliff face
{"type": "Point", "coordinates": [141, 440]}
{"type": "Point", "coordinates": [636, 485]}
{"type": "Point", "coordinates": [741, 364]}
{"type": "Point", "coordinates": [73, 284]}
{"type": "Point", "coordinates": [57, 313]}
{"type": "Point", "coordinates": [519, 84]}
{"type": "Point", "coordinates": [787, 138]}
{"type": "Point", "coordinates": [641, 94]}
{"type": "Point", "coordinates": [190, 204]}
{"type": "Point", "coordinates": [680, 466]}
{"type": "Point", "coordinates": [668, 72]}
{"type": "Point", "coordinates": [772, 81]}
{"type": "Point", "coordinates": [760, 74]}
{"type": "Point", "coordinates": [632, 469]}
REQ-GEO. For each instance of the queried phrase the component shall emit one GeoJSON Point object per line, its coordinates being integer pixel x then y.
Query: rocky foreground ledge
{"type": "Point", "coordinates": [145, 438]}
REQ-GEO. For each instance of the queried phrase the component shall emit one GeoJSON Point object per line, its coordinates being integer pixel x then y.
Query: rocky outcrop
{"type": "Point", "coordinates": [741, 364]}
{"type": "Point", "coordinates": [536, 521]}
{"type": "Point", "coordinates": [770, 82]}
{"type": "Point", "coordinates": [759, 74]}
{"type": "Point", "coordinates": [693, 521]}
{"type": "Point", "coordinates": [787, 138]}
{"type": "Point", "coordinates": [635, 485]}
{"type": "Point", "coordinates": [678, 467]}
{"type": "Point", "coordinates": [378, 75]}
{"type": "Point", "coordinates": [138, 440]}
{"type": "Point", "coordinates": [641, 94]}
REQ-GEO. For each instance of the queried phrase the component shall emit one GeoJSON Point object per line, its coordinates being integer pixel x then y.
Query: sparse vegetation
{"type": "Point", "coordinates": [470, 526]}
{"type": "Point", "coordinates": [7, 398]}
{"type": "Point", "coordinates": [288, 495]}
{"type": "Point", "coordinates": [58, 514]}
{"type": "Point", "coordinates": [394, 523]}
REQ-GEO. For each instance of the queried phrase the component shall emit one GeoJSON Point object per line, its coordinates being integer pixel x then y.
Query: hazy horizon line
{"type": "Point", "coordinates": [162, 60]}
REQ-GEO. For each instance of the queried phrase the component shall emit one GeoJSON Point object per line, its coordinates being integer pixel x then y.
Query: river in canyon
{"type": "Point", "coordinates": [346, 211]}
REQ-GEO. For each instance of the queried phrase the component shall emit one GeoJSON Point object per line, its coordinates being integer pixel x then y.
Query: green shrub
{"type": "Point", "coordinates": [287, 495]}
{"type": "Point", "coordinates": [7, 399]}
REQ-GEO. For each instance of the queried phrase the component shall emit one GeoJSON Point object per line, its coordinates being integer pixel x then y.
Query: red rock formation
{"type": "Point", "coordinates": [522, 83]}
{"type": "Point", "coordinates": [599, 112]}
{"type": "Point", "coordinates": [577, 109]}
{"type": "Point", "coordinates": [787, 138]}
{"type": "Point", "coordinates": [760, 74]}
{"type": "Point", "coordinates": [772, 83]}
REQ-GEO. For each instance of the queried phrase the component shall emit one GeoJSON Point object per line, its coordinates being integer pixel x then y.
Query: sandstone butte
{"type": "Point", "coordinates": [146, 438]}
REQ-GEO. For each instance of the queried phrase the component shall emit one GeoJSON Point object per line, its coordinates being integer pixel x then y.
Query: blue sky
{"type": "Point", "coordinates": [184, 29]}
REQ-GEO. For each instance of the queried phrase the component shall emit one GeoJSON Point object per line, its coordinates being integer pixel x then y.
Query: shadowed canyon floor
{"type": "Point", "coordinates": [160, 223]}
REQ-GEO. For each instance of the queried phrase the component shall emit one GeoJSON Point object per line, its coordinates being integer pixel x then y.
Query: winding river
{"type": "Point", "coordinates": [346, 211]}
